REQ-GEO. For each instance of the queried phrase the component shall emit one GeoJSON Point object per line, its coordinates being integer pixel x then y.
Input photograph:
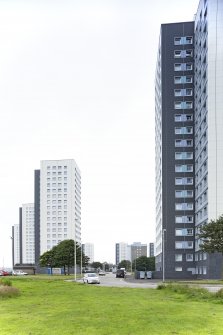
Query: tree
{"type": "Point", "coordinates": [48, 259]}
{"type": "Point", "coordinates": [125, 264]}
{"type": "Point", "coordinates": [144, 263]}
{"type": "Point", "coordinates": [62, 255]}
{"type": "Point", "coordinates": [97, 265]}
{"type": "Point", "coordinates": [212, 236]}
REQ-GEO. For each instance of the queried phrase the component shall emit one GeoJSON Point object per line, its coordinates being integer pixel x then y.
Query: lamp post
{"type": "Point", "coordinates": [75, 261]}
{"type": "Point", "coordinates": [12, 239]}
{"type": "Point", "coordinates": [163, 235]}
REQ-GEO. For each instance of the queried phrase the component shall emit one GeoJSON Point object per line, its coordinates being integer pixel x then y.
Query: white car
{"type": "Point", "coordinates": [19, 273]}
{"type": "Point", "coordinates": [91, 278]}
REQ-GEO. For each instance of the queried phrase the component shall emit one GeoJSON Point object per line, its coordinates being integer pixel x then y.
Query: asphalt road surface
{"type": "Point", "coordinates": [110, 280]}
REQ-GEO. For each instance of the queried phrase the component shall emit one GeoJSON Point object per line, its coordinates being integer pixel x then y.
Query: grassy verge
{"type": "Point", "coordinates": [51, 306]}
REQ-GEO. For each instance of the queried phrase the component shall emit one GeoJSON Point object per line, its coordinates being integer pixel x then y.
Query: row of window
{"type": "Point", "coordinates": [179, 257]}
{"type": "Point", "coordinates": [56, 178]}
{"type": "Point", "coordinates": [54, 218]}
{"type": "Point", "coordinates": [57, 213]}
{"type": "Point", "coordinates": [54, 195]}
{"type": "Point", "coordinates": [183, 66]}
{"type": "Point", "coordinates": [56, 207]}
{"type": "Point", "coordinates": [184, 181]}
{"type": "Point", "coordinates": [183, 155]}
{"type": "Point", "coordinates": [183, 105]}
{"type": "Point", "coordinates": [184, 92]}
{"type": "Point", "coordinates": [184, 143]}
{"type": "Point", "coordinates": [56, 190]}
{"type": "Point", "coordinates": [183, 40]}
{"type": "Point", "coordinates": [184, 206]}
{"type": "Point", "coordinates": [183, 117]}
{"type": "Point", "coordinates": [56, 184]}
{"type": "Point", "coordinates": [183, 53]}
{"type": "Point", "coordinates": [183, 79]}
{"type": "Point", "coordinates": [184, 194]}
{"type": "Point", "coordinates": [59, 173]}
{"type": "Point", "coordinates": [55, 224]}
{"type": "Point", "coordinates": [184, 245]}
{"type": "Point", "coordinates": [54, 167]}
{"type": "Point", "coordinates": [184, 219]}
{"type": "Point", "coordinates": [54, 235]}
{"type": "Point", "coordinates": [184, 232]}
{"type": "Point", "coordinates": [184, 168]}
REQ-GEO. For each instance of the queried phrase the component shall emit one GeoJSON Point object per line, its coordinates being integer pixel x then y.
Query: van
{"type": "Point", "coordinates": [120, 273]}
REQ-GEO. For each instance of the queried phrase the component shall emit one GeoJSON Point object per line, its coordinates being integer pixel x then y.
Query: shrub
{"type": "Point", "coordinates": [191, 292]}
{"type": "Point", "coordinates": [161, 286]}
{"type": "Point", "coordinates": [8, 291]}
{"type": "Point", "coordinates": [219, 294]}
{"type": "Point", "coordinates": [5, 282]}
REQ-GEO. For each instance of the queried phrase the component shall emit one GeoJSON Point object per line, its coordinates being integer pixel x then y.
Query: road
{"type": "Point", "coordinates": [110, 280]}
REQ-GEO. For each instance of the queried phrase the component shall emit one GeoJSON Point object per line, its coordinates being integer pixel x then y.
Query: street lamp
{"type": "Point", "coordinates": [75, 260]}
{"type": "Point", "coordinates": [12, 239]}
{"type": "Point", "coordinates": [163, 235]}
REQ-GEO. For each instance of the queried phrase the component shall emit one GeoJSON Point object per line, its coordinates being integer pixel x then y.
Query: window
{"type": "Point", "coordinates": [177, 93]}
{"type": "Point", "coordinates": [184, 206]}
{"type": "Point", "coordinates": [183, 130]}
{"type": "Point", "coordinates": [183, 117]}
{"type": "Point", "coordinates": [178, 257]}
{"type": "Point", "coordinates": [183, 40]}
{"type": "Point", "coordinates": [184, 232]}
{"type": "Point", "coordinates": [189, 66]}
{"type": "Point", "coordinates": [184, 194]}
{"type": "Point", "coordinates": [178, 268]}
{"type": "Point", "coordinates": [189, 53]}
{"type": "Point", "coordinates": [188, 92]}
{"type": "Point", "coordinates": [177, 40]}
{"type": "Point", "coordinates": [178, 67]}
{"type": "Point", "coordinates": [183, 104]}
{"type": "Point", "coordinates": [177, 53]}
{"type": "Point", "coordinates": [183, 66]}
{"type": "Point", "coordinates": [183, 155]}
{"type": "Point", "coordinates": [183, 53]}
{"type": "Point", "coordinates": [188, 40]}
{"type": "Point", "coordinates": [183, 143]}
{"type": "Point", "coordinates": [183, 79]}
{"type": "Point", "coordinates": [184, 245]}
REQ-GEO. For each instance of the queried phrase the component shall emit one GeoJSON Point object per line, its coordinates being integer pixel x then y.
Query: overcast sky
{"type": "Point", "coordinates": [77, 81]}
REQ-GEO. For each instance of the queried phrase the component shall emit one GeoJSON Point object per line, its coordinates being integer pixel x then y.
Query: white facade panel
{"type": "Point", "coordinates": [88, 249]}
{"type": "Point", "coordinates": [60, 203]}
{"type": "Point", "coordinates": [16, 244]}
{"type": "Point", "coordinates": [28, 237]}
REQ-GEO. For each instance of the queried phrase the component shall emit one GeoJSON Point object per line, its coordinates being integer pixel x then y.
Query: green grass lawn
{"type": "Point", "coordinates": [51, 306]}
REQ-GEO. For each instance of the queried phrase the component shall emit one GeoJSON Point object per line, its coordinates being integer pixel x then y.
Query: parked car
{"type": "Point", "coordinates": [120, 273]}
{"type": "Point", "coordinates": [101, 273]}
{"type": "Point", "coordinates": [4, 273]}
{"type": "Point", "coordinates": [91, 278]}
{"type": "Point", "coordinates": [19, 273]}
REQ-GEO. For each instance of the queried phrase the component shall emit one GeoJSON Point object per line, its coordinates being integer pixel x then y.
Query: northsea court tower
{"type": "Point", "coordinates": [189, 141]}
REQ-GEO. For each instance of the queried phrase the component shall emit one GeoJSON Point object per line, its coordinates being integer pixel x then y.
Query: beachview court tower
{"type": "Point", "coordinates": [174, 131]}
{"type": "Point", "coordinates": [58, 204]}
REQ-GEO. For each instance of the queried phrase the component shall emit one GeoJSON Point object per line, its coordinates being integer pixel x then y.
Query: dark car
{"type": "Point", "coordinates": [120, 273]}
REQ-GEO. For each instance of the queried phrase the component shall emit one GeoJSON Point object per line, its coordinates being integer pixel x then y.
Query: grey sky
{"type": "Point", "coordinates": [77, 81]}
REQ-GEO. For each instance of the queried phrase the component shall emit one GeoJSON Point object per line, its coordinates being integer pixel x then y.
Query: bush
{"type": "Point", "coordinates": [219, 294]}
{"type": "Point", "coordinates": [191, 292]}
{"type": "Point", "coordinates": [161, 286]}
{"type": "Point", "coordinates": [8, 291]}
{"type": "Point", "coordinates": [5, 282]}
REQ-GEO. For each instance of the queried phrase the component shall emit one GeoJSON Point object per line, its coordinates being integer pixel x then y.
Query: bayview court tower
{"type": "Point", "coordinates": [189, 141]}
{"type": "Point", "coordinates": [174, 131]}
